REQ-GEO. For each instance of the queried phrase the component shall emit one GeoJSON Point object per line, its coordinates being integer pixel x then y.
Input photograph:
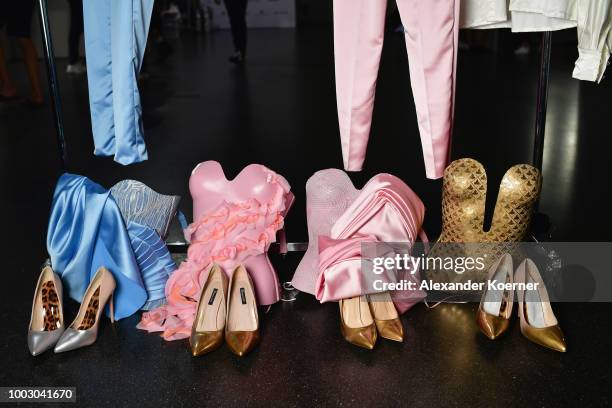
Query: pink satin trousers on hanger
{"type": "Point", "coordinates": [431, 30]}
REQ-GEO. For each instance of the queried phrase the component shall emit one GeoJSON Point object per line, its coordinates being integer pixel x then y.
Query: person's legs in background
{"type": "Point", "coordinates": [18, 25]}
{"type": "Point", "coordinates": [30, 59]}
{"type": "Point", "coordinates": [18, 22]}
{"type": "Point", "coordinates": [74, 37]}
{"type": "Point", "coordinates": [236, 11]}
{"type": "Point", "coordinates": [8, 91]}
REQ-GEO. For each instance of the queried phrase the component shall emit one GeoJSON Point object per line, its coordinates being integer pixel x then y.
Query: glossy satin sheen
{"type": "Point", "coordinates": [386, 210]}
{"type": "Point", "coordinates": [235, 221]}
{"type": "Point", "coordinates": [431, 31]}
{"type": "Point", "coordinates": [341, 263]}
{"type": "Point", "coordinates": [86, 231]}
{"type": "Point", "coordinates": [115, 39]}
{"type": "Point", "coordinates": [154, 260]}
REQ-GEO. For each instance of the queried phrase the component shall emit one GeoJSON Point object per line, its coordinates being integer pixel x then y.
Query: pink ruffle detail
{"type": "Point", "coordinates": [227, 236]}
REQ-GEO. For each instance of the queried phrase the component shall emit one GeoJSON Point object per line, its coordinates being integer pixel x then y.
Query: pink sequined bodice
{"type": "Point", "coordinates": [328, 194]}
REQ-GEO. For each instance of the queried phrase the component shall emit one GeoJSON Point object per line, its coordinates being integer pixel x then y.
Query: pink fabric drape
{"type": "Point", "coordinates": [431, 32]}
{"type": "Point", "coordinates": [341, 264]}
{"type": "Point", "coordinates": [342, 218]}
{"type": "Point", "coordinates": [386, 210]}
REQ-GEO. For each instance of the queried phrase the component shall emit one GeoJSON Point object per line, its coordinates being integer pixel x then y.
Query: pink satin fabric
{"type": "Point", "coordinates": [385, 210]}
{"type": "Point", "coordinates": [340, 268]}
{"type": "Point", "coordinates": [432, 32]}
{"type": "Point", "coordinates": [235, 223]}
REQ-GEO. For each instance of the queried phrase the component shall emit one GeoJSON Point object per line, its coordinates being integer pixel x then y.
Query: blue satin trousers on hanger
{"type": "Point", "coordinates": [115, 39]}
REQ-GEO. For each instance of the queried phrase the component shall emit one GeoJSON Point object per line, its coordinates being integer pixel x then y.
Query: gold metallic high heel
{"type": "Point", "coordinates": [495, 309]}
{"type": "Point", "coordinates": [47, 318]}
{"type": "Point", "coordinates": [385, 316]}
{"type": "Point", "coordinates": [538, 322]}
{"type": "Point", "coordinates": [356, 322]}
{"type": "Point", "coordinates": [84, 329]}
{"type": "Point", "coordinates": [242, 327]}
{"type": "Point", "coordinates": [209, 323]}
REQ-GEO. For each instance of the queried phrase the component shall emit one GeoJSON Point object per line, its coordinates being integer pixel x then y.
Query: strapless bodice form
{"type": "Point", "coordinates": [234, 222]}
{"type": "Point", "coordinates": [141, 204]}
{"type": "Point", "coordinates": [385, 210]}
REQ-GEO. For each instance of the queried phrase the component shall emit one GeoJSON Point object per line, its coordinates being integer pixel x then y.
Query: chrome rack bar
{"type": "Point", "coordinates": [56, 102]}
{"type": "Point", "coordinates": [541, 225]}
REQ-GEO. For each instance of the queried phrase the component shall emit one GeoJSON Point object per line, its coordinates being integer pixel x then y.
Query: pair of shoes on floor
{"type": "Point", "coordinates": [537, 320]}
{"type": "Point", "coordinates": [47, 327]}
{"type": "Point", "coordinates": [226, 311]}
{"type": "Point", "coordinates": [364, 318]}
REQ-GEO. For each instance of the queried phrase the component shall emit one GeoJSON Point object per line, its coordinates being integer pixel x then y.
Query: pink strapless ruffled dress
{"type": "Point", "coordinates": [235, 222]}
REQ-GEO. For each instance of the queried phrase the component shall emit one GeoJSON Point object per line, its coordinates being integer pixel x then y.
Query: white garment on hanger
{"type": "Point", "coordinates": [593, 18]}
{"type": "Point", "coordinates": [594, 39]}
{"type": "Point", "coordinates": [484, 14]}
{"type": "Point", "coordinates": [519, 15]}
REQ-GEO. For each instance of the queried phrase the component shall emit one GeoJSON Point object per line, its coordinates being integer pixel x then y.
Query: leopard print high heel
{"type": "Point", "coordinates": [47, 319]}
{"type": "Point", "coordinates": [84, 329]}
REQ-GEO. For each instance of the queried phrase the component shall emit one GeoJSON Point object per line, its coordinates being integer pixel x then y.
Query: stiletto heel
{"type": "Point", "coordinates": [84, 329]}
{"type": "Point", "coordinates": [47, 318]}
{"type": "Point", "coordinates": [385, 315]}
{"type": "Point", "coordinates": [209, 322]}
{"type": "Point", "coordinates": [112, 307]}
{"type": "Point", "coordinates": [242, 327]}
{"type": "Point", "coordinates": [356, 322]}
{"type": "Point", "coordinates": [538, 322]}
{"type": "Point", "coordinates": [495, 309]}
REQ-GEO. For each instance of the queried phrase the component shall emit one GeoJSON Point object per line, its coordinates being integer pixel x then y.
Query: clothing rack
{"type": "Point", "coordinates": [541, 225]}
{"type": "Point", "coordinates": [56, 102]}
{"type": "Point", "coordinates": [541, 222]}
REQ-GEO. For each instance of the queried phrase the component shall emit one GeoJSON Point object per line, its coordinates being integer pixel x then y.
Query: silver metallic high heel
{"type": "Point", "coordinates": [84, 329]}
{"type": "Point", "coordinates": [47, 319]}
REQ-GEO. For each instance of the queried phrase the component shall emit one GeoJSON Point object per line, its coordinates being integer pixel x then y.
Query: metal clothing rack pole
{"type": "Point", "coordinates": [53, 84]}
{"type": "Point", "coordinates": [542, 101]}
{"type": "Point", "coordinates": [541, 223]}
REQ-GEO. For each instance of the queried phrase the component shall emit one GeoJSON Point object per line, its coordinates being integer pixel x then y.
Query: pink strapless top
{"type": "Point", "coordinates": [341, 217]}
{"type": "Point", "coordinates": [235, 221]}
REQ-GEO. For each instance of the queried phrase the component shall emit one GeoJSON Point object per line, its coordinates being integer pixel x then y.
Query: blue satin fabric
{"type": "Point", "coordinates": [115, 38]}
{"type": "Point", "coordinates": [86, 231]}
{"type": "Point", "coordinates": [156, 264]}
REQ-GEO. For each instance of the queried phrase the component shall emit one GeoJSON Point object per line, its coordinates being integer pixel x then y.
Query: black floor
{"type": "Point", "coordinates": [280, 111]}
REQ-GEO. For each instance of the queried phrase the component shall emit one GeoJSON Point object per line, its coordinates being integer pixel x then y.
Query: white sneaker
{"type": "Point", "coordinates": [76, 69]}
